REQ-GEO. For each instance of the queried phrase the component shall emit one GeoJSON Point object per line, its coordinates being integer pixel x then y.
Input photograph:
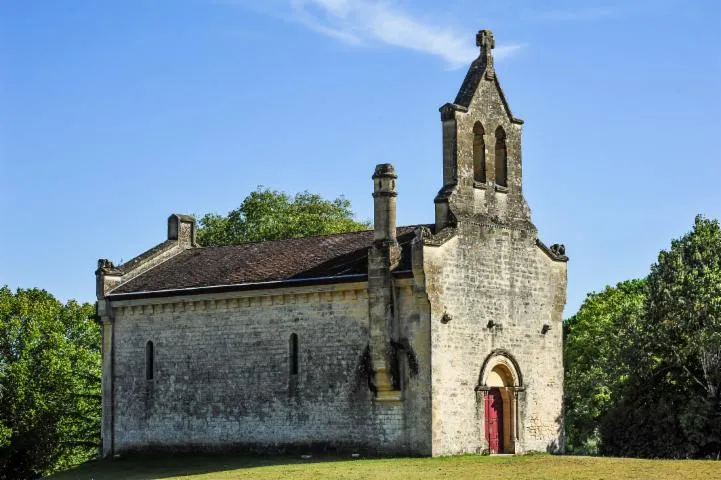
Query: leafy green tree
{"type": "Point", "coordinates": [600, 341]}
{"type": "Point", "coordinates": [272, 215]}
{"type": "Point", "coordinates": [674, 403]}
{"type": "Point", "coordinates": [49, 383]}
{"type": "Point", "coordinates": [643, 359]}
{"type": "Point", "coordinates": [684, 306]}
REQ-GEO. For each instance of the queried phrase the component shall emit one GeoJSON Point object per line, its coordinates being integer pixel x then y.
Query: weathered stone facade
{"type": "Point", "coordinates": [400, 357]}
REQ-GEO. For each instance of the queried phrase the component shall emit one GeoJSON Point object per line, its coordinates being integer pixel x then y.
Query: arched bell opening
{"type": "Point", "coordinates": [479, 154]}
{"type": "Point", "coordinates": [501, 158]}
{"type": "Point", "coordinates": [497, 393]}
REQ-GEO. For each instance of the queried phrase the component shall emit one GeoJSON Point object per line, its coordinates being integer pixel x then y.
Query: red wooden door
{"type": "Point", "coordinates": [494, 421]}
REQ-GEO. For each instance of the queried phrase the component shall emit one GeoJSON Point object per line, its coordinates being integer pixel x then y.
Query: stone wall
{"type": "Point", "coordinates": [489, 274]}
{"type": "Point", "coordinates": [221, 375]}
{"type": "Point", "coordinates": [415, 362]}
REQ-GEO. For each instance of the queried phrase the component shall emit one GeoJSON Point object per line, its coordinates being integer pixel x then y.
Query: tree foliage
{"type": "Point", "coordinates": [672, 406]}
{"type": "Point", "coordinates": [49, 383]}
{"type": "Point", "coordinates": [599, 340]}
{"type": "Point", "coordinates": [684, 306]}
{"type": "Point", "coordinates": [657, 393]}
{"type": "Point", "coordinates": [272, 215]}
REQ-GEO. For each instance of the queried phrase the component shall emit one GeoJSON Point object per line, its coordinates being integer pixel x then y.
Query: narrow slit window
{"type": "Point", "coordinates": [149, 361]}
{"type": "Point", "coordinates": [501, 158]}
{"type": "Point", "coordinates": [479, 154]}
{"type": "Point", "coordinates": [293, 354]}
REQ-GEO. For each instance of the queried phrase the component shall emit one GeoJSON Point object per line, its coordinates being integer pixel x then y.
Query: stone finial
{"type": "Point", "coordinates": [107, 277]}
{"type": "Point", "coordinates": [105, 264]}
{"type": "Point", "coordinates": [485, 40]}
{"type": "Point", "coordinates": [384, 181]}
{"type": "Point", "coordinates": [106, 267]}
{"type": "Point", "coordinates": [384, 170]}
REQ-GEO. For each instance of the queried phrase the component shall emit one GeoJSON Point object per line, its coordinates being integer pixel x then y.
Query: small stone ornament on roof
{"type": "Point", "coordinates": [485, 40]}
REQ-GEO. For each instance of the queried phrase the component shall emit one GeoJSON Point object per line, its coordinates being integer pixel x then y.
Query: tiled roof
{"type": "Point", "coordinates": [292, 259]}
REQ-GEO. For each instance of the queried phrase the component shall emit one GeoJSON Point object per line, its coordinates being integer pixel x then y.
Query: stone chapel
{"type": "Point", "coordinates": [430, 339]}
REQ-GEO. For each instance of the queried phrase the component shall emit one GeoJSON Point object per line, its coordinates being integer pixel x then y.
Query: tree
{"type": "Point", "coordinates": [643, 359]}
{"type": "Point", "coordinates": [599, 342]}
{"type": "Point", "coordinates": [49, 383]}
{"type": "Point", "coordinates": [675, 397]}
{"type": "Point", "coordinates": [271, 215]}
{"type": "Point", "coordinates": [684, 306]}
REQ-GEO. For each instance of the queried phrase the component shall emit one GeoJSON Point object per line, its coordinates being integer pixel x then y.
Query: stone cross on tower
{"type": "Point", "coordinates": [485, 40]}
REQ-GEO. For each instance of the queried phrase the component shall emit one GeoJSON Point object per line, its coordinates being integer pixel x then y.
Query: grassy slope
{"type": "Point", "coordinates": [470, 467]}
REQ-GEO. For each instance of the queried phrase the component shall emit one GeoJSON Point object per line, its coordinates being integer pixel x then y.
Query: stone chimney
{"type": "Point", "coordinates": [384, 203]}
{"type": "Point", "coordinates": [383, 257]}
{"type": "Point", "coordinates": [182, 228]}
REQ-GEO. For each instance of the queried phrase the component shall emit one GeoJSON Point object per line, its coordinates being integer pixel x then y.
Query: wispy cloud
{"type": "Point", "coordinates": [368, 22]}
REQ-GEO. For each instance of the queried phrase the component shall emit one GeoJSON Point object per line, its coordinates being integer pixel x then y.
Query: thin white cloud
{"type": "Point", "coordinates": [577, 14]}
{"type": "Point", "coordinates": [362, 22]}
{"type": "Point", "coordinates": [305, 18]}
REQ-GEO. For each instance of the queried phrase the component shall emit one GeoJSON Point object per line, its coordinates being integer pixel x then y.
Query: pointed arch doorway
{"type": "Point", "coordinates": [497, 394]}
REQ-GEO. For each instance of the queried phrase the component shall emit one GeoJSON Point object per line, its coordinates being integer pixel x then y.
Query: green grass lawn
{"type": "Point", "coordinates": [470, 467]}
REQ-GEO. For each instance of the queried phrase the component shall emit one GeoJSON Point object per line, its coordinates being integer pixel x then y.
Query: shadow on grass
{"type": "Point", "coordinates": [141, 467]}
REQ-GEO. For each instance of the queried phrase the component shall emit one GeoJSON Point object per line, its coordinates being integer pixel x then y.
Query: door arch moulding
{"type": "Point", "coordinates": [500, 371]}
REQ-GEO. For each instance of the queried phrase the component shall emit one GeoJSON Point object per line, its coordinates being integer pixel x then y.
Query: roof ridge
{"type": "Point", "coordinates": [308, 236]}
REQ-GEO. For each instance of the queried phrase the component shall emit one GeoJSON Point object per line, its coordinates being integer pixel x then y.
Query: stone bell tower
{"type": "Point", "coordinates": [481, 151]}
{"type": "Point", "coordinates": [496, 292]}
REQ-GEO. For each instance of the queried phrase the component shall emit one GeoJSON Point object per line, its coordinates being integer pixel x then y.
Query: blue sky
{"type": "Point", "coordinates": [115, 114]}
